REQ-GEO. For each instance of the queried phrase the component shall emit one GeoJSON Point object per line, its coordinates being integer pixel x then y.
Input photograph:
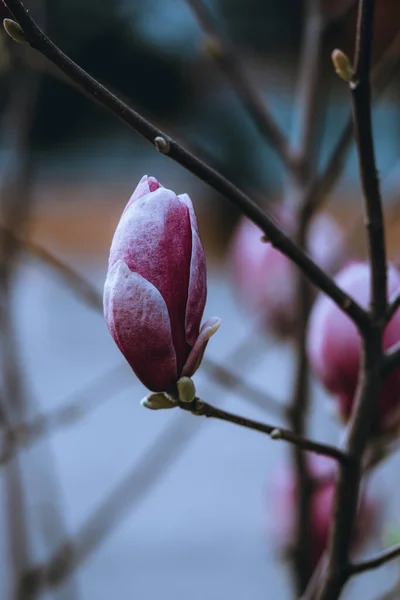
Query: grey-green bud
{"type": "Point", "coordinates": [14, 30]}
{"type": "Point", "coordinates": [186, 390]}
{"type": "Point", "coordinates": [159, 401]}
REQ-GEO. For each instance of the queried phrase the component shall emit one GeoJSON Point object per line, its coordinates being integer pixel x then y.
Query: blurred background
{"type": "Point", "coordinates": [115, 500]}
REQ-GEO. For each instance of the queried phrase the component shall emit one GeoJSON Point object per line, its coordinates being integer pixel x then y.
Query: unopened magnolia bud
{"type": "Point", "coordinates": [284, 495]}
{"type": "Point", "coordinates": [342, 65]}
{"type": "Point", "coordinates": [156, 287]}
{"type": "Point", "coordinates": [334, 345]}
{"type": "Point", "coordinates": [14, 30]}
{"type": "Point", "coordinates": [186, 390]}
{"type": "Point", "coordinates": [265, 279]}
{"type": "Point", "coordinates": [159, 401]}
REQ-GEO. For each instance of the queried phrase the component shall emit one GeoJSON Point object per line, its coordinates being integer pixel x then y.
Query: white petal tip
{"type": "Point", "coordinates": [212, 328]}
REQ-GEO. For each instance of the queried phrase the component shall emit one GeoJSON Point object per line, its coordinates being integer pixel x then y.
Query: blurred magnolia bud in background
{"type": "Point", "coordinates": [265, 280]}
{"type": "Point", "coordinates": [156, 287]}
{"type": "Point", "coordinates": [284, 498]}
{"type": "Point", "coordinates": [334, 344]}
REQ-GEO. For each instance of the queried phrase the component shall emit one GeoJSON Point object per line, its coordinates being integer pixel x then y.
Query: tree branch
{"type": "Point", "coordinates": [200, 408]}
{"type": "Point", "coordinates": [229, 63]}
{"type": "Point", "coordinates": [359, 428]}
{"type": "Point", "coordinates": [231, 379]}
{"type": "Point", "coordinates": [130, 491]}
{"type": "Point", "coordinates": [361, 98]}
{"type": "Point", "coordinates": [71, 411]}
{"type": "Point", "coordinates": [43, 44]}
{"type": "Point", "coordinates": [309, 108]}
{"type": "Point", "coordinates": [375, 561]}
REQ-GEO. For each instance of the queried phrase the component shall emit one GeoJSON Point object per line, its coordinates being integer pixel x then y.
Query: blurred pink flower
{"type": "Point", "coordinates": [334, 344]}
{"type": "Point", "coordinates": [265, 279]}
{"type": "Point", "coordinates": [285, 503]}
{"type": "Point", "coordinates": [156, 288]}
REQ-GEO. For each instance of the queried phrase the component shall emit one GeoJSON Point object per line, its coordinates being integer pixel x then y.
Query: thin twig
{"type": "Point", "coordinates": [321, 185]}
{"type": "Point", "coordinates": [228, 61]}
{"type": "Point", "coordinates": [375, 561]}
{"type": "Point", "coordinates": [309, 108]}
{"type": "Point", "coordinates": [394, 305]}
{"type": "Point", "coordinates": [43, 44]}
{"type": "Point", "coordinates": [147, 471]}
{"type": "Point", "coordinates": [231, 379]}
{"type": "Point", "coordinates": [201, 408]}
{"type": "Point", "coordinates": [361, 97]}
{"type": "Point", "coordinates": [16, 125]}
{"type": "Point", "coordinates": [72, 410]}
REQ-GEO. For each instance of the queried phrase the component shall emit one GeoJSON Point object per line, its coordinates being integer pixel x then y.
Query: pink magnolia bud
{"type": "Point", "coordinates": [285, 504]}
{"type": "Point", "coordinates": [156, 287]}
{"type": "Point", "coordinates": [265, 279]}
{"type": "Point", "coordinates": [334, 344]}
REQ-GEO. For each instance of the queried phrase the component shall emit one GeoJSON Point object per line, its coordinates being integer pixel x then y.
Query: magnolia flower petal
{"type": "Point", "coordinates": [138, 320]}
{"type": "Point", "coordinates": [185, 198]}
{"type": "Point", "coordinates": [197, 292]}
{"type": "Point", "coordinates": [195, 357]}
{"type": "Point", "coordinates": [145, 186]}
{"type": "Point", "coordinates": [154, 238]}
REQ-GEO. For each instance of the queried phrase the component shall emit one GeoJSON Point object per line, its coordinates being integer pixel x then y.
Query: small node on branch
{"type": "Point", "coordinates": [161, 144]}
{"type": "Point", "coordinates": [276, 434]}
{"type": "Point", "coordinates": [14, 31]}
{"type": "Point", "coordinates": [198, 408]}
{"type": "Point", "coordinates": [212, 46]}
{"type": "Point", "coordinates": [346, 303]}
{"type": "Point", "coordinates": [265, 239]}
{"type": "Point", "coordinates": [342, 66]}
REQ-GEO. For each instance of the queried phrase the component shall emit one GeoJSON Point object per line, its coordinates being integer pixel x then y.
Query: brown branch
{"type": "Point", "coordinates": [361, 98]}
{"type": "Point", "coordinates": [230, 65]}
{"type": "Point", "coordinates": [358, 432]}
{"type": "Point", "coordinates": [204, 409]}
{"type": "Point", "coordinates": [43, 44]}
{"type": "Point", "coordinates": [375, 561]}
